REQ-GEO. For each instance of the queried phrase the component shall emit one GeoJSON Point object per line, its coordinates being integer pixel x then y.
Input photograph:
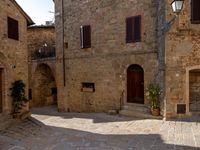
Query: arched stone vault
{"type": "Point", "coordinates": [43, 85]}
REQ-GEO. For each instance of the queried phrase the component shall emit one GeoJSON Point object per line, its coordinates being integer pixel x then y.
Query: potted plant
{"type": "Point", "coordinates": [18, 96]}
{"type": "Point", "coordinates": [152, 93]}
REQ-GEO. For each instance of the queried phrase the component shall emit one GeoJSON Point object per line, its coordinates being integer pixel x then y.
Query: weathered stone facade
{"type": "Point", "coordinates": [169, 57]}
{"type": "Point", "coordinates": [13, 53]}
{"type": "Point", "coordinates": [105, 64]}
{"type": "Point", "coordinates": [41, 49]}
{"type": "Point", "coordinates": [182, 62]}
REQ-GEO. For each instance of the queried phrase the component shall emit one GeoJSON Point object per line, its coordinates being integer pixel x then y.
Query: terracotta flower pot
{"type": "Point", "coordinates": [155, 111]}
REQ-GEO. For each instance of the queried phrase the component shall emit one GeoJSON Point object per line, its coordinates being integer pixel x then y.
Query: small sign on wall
{"type": "Point", "coordinates": [88, 87]}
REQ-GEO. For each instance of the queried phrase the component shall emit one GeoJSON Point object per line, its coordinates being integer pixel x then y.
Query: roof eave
{"type": "Point", "coordinates": [29, 20]}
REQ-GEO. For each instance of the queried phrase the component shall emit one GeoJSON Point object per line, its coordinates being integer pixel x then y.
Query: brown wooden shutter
{"type": "Point", "coordinates": [85, 33]}
{"type": "Point", "coordinates": [129, 29]}
{"type": "Point", "coordinates": [133, 29]}
{"type": "Point", "coordinates": [13, 29]}
{"type": "Point", "coordinates": [195, 11]}
{"type": "Point", "coordinates": [137, 29]}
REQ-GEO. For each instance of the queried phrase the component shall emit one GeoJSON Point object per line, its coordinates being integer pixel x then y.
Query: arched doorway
{"type": "Point", "coordinates": [5, 105]}
{"type": "Point", "coordinates": [194, 90]}
{"type": "Point", "coordinates": [135, 84]}
{"type": "Point", "coordinates": [44, 91]}
{"type": "Point", "coordinates": [1, 91]}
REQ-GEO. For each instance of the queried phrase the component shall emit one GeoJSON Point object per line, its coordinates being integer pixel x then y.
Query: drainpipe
{"type": "Point", "coordinates": [63, 46]}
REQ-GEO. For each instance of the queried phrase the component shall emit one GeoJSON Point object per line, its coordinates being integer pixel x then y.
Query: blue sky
{"type": "Point", "coordinates": [38, 10]}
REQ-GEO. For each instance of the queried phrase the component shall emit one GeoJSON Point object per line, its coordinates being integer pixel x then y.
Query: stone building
{"type": "Point", "coordinates": [99, 69]}
{"type": "Point", "coordinates": [182, 50]}
{"type": "Point", "coordinates": [41, 52]}
{"type": "Point", "coordinates": [109, 51]}
{"type": "Point", "coordinates": [13, 51]}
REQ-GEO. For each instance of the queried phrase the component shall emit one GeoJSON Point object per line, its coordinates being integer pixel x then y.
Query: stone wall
{"type": "Point", "coordinates": [182, 56]}
{"type": "Point", "coordinates": [106, 62]}
{"type": "Point", "coordinates": [13, 53]}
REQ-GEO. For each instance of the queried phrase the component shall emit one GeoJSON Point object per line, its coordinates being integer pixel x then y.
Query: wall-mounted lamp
{"type": "Point", "coordinates": [177, 6]}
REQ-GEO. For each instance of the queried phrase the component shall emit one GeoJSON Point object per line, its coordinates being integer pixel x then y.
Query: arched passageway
{"type": "Point", "coordinates": [44, 91]}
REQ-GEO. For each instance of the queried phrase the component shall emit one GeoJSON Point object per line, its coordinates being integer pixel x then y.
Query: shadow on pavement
{"type": "Point", "coordinates": [56, 138]}
{"type": "Point", "coordinates": [97, 118]}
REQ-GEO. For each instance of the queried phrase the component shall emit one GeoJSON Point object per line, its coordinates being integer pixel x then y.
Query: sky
{"type": "Point", "coordinates": [38, 10]}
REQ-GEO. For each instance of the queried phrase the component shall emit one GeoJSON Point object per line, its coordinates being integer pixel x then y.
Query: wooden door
{"type": "Point", "coordinates": [135, 84]}
{"type": "Point", "coordinates": [1, 101]}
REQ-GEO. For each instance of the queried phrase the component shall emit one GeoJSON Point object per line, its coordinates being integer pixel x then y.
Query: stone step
{"type": "Point", "coordinates": [137, 107]}
{"type": "Point", "coordinates": [138, 114]}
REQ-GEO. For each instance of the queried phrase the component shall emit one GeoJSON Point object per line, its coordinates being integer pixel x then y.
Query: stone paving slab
{"type": "Point", "coordinates": [50, 130]}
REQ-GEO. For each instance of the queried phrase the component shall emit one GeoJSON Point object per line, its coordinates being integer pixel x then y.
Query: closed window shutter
{"type": "Point", "coordinates": [137, 29]}
{"type": "Point", "coordinates": [129, 30]}
{"type": "Point", "coordinates": [13, 29]}
{"type": "Point", "coordinates": [133, 29]}
{"type": "Point", "coordinates": [195, 11]}
{"type": "Point", "coordinates": [85, 33]}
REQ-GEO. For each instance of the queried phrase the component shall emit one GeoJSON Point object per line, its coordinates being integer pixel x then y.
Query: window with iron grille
{"type": "Point", "coordinates": [85, 36]}
{"type": "Point", "coordinates": [195, 11]}
{"type": "Point", "coordinates": [13, 29]}
{"type": "Point", "coordinates": [133, 29]}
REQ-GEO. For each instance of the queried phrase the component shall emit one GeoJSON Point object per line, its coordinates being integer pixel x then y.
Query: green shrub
{"type": "Point", "coordinates": [18, 95]}
{"type": "Point", "coordinates": [152, 93]}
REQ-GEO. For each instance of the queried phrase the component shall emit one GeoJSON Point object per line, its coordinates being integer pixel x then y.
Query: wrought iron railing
{"type": "Point", "coordinates": [44, 52]}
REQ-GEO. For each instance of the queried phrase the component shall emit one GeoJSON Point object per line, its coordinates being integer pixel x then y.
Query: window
{"type": "Point", "coordinates": [85, 36]}
{"type": "Point", "coordinates": [88, 87]}
{"type": "Point", "coordinates": [13, 31]}
{"type": "Point", "coordinates": [133, 29]}
{"type": "Point", "coordinates": [195, 11]}
{"type": "Point", "coordinates": [29, 93]}
{"type": "Point", "coordinates": [54, 91]}
{"type": "Point", "coordinates": [181, 108]}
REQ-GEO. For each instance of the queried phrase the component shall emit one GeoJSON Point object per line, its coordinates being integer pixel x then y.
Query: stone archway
{"type": "Point", "coordinates": [194, 90]}
{"type": "Point", "coordinates": [44, 90]}
{"type": "Point", "coordinates": [5, 102]}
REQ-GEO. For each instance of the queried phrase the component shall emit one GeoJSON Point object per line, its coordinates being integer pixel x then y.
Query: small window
{"type": "Point", "coordinates": [195, 11]}
{"type": "Point", "coordinates": [30, 93]}
{"type": "Point", "coordinates": [133, 29]}
{"type": "Point", "coordinates": [181, 108]}
{"type": "Point", "coordinates": [54, 91]}
{"type": "Point", "coordinates": [88, 87]}
{"type": "Point", "coordinates": [13, 30]}
{"type": "Point", "coordinates": [85, 36]}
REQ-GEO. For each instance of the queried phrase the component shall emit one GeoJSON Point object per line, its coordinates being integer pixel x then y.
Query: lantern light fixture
{"type": "Point", "coordinates": [177, 6]}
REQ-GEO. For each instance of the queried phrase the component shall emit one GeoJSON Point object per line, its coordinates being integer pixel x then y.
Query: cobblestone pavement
{"type": "Point", "coordinates": [49, 130]}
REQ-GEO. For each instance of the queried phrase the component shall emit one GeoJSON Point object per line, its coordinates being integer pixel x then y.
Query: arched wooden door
{"type": "Point", "coordinates": [135, 84]}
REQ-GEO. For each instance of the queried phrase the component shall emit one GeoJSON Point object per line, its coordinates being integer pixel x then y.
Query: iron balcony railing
{"type": "Point", "coordinates": [44, 52]}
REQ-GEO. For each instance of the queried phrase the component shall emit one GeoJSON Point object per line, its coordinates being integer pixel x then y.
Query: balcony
{"type": "Point", "coordinates": [45, 52]}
